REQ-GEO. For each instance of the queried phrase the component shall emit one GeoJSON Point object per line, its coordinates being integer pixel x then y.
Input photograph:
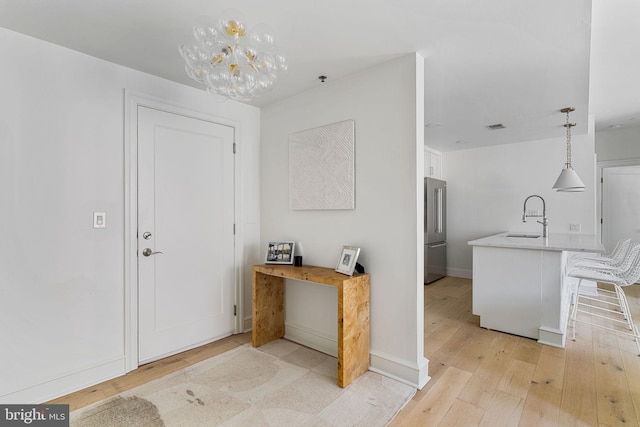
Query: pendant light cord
{"type": "Point", "coordinates": [569, 126]}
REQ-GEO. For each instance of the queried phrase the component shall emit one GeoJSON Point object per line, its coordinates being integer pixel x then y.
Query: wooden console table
{"type": "Point", "coordinates": [353, 311]}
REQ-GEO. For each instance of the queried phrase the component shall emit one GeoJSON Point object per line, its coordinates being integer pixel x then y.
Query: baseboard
{"type": "Point", "coordinates": [460, 272]}
{"type": "Point", "coordinates": [589, 287]}
{"type": "Point", "coordinates": [401, 370]}
{"type": "Point", "coordinates": [67, 384]}
{"type": "Point", "coordinates": [310, 338]}
{"type": "Point", "coordinates": [551, 336]}
{"type": "Point", "coordinates": [247, 324]}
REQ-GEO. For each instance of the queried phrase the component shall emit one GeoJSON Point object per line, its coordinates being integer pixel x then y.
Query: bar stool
{"type": "Point", "coordinates": [605, 304]}
{"type": "Point", "coordinates": [614, 258]}
{"type": "Point", "coordinates": [616, 265]}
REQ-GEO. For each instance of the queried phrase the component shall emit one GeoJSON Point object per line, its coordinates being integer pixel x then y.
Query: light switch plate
{"type": "Point", "coordinates": [575, 227]}
{"type": "Point", "coordinates": [99, 220]}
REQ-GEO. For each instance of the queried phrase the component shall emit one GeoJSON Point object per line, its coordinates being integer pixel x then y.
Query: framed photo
{"type": "Point", "coordinates": [280, 253]}
{"type": "Point", "coordinates": [347, 261]}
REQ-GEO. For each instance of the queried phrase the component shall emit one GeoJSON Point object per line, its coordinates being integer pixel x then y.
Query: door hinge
{"type": "Point", "coordinates": [601, 221]}
{"type": "Point", "coordinates": [601, 180]}
{"type": "Point", "coordinates": [234, 148]}
{"type": "Point", "coordinates": [235, 310]}
{"type": "Point", "coordinates": [234, 229]}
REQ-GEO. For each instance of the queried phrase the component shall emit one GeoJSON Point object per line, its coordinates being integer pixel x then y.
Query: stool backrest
{"type": "Point", "coordinates": [620, 251]}
{"type": "Point", "coordinates": [631, 272]}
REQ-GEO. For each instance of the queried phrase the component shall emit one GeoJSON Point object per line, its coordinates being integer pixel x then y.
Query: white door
{"type": "Point", "coordinates": [620, 204]}
{"type": "Point", "coordinates": [185, 219]}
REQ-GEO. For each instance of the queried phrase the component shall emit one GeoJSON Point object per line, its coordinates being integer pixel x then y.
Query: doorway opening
{"type": "Point", "coordinates": [619, 201]}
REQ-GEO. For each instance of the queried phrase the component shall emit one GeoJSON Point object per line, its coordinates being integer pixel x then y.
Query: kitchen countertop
{"type": "Point", "coordinates": [554, 242]}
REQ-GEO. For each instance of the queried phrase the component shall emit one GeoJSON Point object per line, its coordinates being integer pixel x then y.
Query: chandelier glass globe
{"type": "Point", "coordinates": [232, 61]}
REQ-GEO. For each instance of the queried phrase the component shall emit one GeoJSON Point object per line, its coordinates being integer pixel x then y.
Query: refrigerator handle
{"type": "Point", "coordinates": [438, 210]}
{"type": "Point", "coordinates": [439, 245]}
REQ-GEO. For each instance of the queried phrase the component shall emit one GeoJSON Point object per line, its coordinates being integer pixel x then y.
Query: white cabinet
{"type": "Point", "coordinates": [432, 163]}
{"type": "Point", "coordinates": [521, 292]}
{"type": "Point", "coordinates": [519, 285]}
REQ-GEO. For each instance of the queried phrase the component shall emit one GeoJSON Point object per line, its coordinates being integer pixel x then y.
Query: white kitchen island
{"type": "Point", "coordinates": [519, 283]}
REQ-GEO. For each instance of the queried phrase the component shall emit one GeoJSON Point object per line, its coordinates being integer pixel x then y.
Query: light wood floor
{"type": "Point", "coordinates": [487, 378]}
{"type": "Point", "coordinates": [480, 377]}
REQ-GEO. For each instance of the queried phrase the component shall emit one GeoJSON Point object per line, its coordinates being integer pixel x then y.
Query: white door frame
{"type": "Point", "coordinates": [131, 102]}
{"type": "Point", "coordinates": [601, 166]}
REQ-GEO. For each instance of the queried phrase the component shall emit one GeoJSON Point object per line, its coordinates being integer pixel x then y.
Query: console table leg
{"type": "Point", "coordinates": [353, 329]}
{"type": "Point", "coordinates": [267, 308]}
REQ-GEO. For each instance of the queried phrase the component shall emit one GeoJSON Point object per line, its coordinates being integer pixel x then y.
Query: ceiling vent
{"type": "Point", "coordinates": [496, 126]}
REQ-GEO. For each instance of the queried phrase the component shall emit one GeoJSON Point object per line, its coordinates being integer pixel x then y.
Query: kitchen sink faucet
{"type": "Point", "coordinates": [545, 220]}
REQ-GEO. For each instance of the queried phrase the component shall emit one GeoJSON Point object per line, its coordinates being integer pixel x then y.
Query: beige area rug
{"type": "Point", "coordinates": [278, 384]}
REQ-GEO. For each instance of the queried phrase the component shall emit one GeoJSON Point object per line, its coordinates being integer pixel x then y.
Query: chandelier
{"type": "Point", "coordinates": [568, 181]}
{"type": "Point", "coordinates": [231, 61]}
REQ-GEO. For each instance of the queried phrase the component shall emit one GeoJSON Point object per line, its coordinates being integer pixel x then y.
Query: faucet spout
{"type": "Point", "coordinates": [545, 220]}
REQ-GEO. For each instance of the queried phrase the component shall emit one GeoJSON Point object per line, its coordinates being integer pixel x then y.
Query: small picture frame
{"type": "Point", "coordinates": [280, 253]}
{"type": "Point", "coordinates": [347, 260]}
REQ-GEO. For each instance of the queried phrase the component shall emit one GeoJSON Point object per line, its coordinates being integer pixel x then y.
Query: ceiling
{"type": "Point", "coordinates": [486, 61]}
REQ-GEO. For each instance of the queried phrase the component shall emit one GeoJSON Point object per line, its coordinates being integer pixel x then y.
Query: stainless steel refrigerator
{"type": "Point", "coordinates": [435, 229]}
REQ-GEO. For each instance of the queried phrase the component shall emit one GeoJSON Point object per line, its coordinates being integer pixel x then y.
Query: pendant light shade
{"type": "Point", "coordinates": [568, 181]}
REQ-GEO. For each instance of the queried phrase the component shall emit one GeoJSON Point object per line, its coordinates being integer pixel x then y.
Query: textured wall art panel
{"type": "Point", "coordinates": [322, 167]}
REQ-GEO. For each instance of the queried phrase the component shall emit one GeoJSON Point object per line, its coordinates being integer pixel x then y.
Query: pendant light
{"type": "Point", "coordinates": [568, 181]}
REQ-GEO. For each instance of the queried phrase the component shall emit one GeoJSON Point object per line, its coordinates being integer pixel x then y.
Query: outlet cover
{"type": "Point", "coordinates": [575, 227]}
{"type": "Point", "coordinates": [99, 220]}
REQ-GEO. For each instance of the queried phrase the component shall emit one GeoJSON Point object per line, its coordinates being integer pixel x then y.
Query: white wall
{"type": "Point", "coordinates": [61, 158]}
{"type": "Point", "coordinates": [486, 189]}
{"type": "Point", "coordinates": [387, 106]}
{"type": "Point", "coordinates": [618, 144]}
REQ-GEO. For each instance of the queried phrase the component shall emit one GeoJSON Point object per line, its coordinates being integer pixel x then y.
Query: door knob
{"type": "Point", "coordinates": [146, 235]}
{"type": "Point", "coordinates": [149, 252]}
